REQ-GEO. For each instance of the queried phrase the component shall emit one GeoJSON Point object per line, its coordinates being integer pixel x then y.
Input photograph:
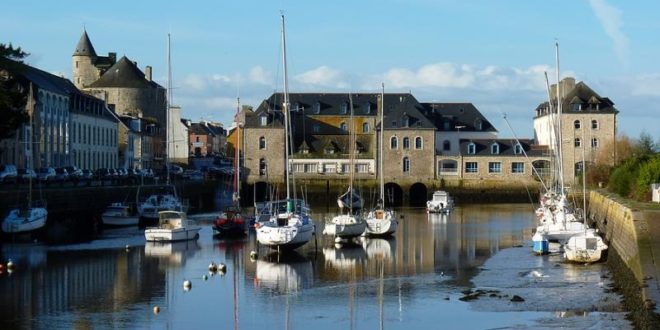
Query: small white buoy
{"type": "Point", "coordinates": [187, 285]}
{"type": "Point", "coordinates": [253, 254]}
{"type": "Point", "coordinates": [338, 239]}
{"type": "Point", "coordinates": [205, 277]}
{"type": "Point", "coordinates": [156, 310]}
{"type": "Point", "coordinates": [213, 267]}
{"type": "Point", "coordinates": [10, 265]}
{"type": "Point", "coordinates": [127, 247]}
{"type": "Point", "coordinates": [222, 268]}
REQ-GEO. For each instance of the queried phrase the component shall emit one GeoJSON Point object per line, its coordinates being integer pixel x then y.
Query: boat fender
{"type": "Point", "coordinates": [10, 265]}
{"type": "Point", "coordinates": [156, 310]}
{"type": "Point", "coordinates": [213, 267]}
{"type": "Point", "coordinates": [222, 268]}
{"type": "Point", "coordinates": [187, 285]}
{"type": "Point", "coordinates": [253, 255]}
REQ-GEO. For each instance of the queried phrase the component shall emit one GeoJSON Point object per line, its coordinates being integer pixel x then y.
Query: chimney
{"type": "Point", "coordinates": [568, 84]}
{"type": "Point", "coordinates": [147, 72]}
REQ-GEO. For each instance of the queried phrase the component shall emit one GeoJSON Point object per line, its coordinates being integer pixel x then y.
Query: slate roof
{"type": "Point", "coordinates": [41, 79]}
{"type": "Point", "coordinates": [124, 74]}
{"type": "Point", "coordinates": [584, 95]}
{"type": "Point", "coordinates": [84, 47]}
{"type": "Point", "coordinates": [317, 144]}
{"type": "Point", "coordinates": [446, 116]}
{"type": "Point", "coordinates": [506, 147]}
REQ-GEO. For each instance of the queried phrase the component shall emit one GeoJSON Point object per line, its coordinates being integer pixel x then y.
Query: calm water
{"type": "Point", "coordinates": [414, 279]}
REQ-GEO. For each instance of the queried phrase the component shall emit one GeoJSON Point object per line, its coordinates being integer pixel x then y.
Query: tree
{"type": "Point", "coordinates": [645, 144]}
{"type": "Point", "coordinates": [13, 96]}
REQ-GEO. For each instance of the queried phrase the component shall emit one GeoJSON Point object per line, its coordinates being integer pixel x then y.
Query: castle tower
{"type": "Point", "coordinates": [83, 60]}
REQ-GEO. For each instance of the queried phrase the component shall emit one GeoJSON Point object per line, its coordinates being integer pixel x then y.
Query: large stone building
{"type": "Point", "coordinates": [587, 121]}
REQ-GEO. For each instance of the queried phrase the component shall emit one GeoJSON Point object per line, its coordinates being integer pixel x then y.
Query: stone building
{"type": "Point", "coordinates": [93, 133]}
{"type": "Point", "coordinates": [206, 139]}
{"type": "Point", "coordinates": [587, 121]}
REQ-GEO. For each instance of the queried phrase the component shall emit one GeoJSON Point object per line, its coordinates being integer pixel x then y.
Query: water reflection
{"type": "Point", "coordinates": [283, 274]}
{"type": "Point", "coordinates": [172, 254]}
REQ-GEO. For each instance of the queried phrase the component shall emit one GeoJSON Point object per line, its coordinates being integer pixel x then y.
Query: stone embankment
{"type": "Point", "coordinates": [633, 234]}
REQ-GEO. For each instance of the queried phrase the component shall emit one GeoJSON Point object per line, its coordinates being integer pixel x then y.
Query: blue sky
{"type": "Point", "coordinates": [490, 53]}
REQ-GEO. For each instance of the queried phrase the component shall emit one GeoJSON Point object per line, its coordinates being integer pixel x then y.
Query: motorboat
{"type": "Point", "coordinates": [172, 226]}
{"type": "Point", "coordinates": [119, 214]}
{"type": "Point", "coordinates": [585, 247]}
{"type": "Point", "coordinates": [230, 223]}
{"type": "Point", "coordinates": [441, 202]}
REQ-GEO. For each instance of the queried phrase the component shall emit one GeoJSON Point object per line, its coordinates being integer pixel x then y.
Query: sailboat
{"type": "Point", "coordinates": [231, 222]}
{"type": "Point", "coordinates": [165, 199]}
{"type": "Point", "coordinates": [557, 220]}
{"type": "Point", "coordinates": [33, 215]}
{"type": "Point", "coordinates": [381, 221]}
{"type": "Point", "coordinates": [290, 225]}
{"type": "Point", "coordinates": [351, 223]}
{"type": "Point", "coordinates": [587, 246]}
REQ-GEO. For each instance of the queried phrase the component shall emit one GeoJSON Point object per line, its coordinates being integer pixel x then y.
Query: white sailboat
{"type": "Point", "coordinates": [587, 246]}
{"type": "Point", "coordinates": [350, 223]}
{"type": "Point", "coordinates": [557, 219]}
{"type": "Point", "coordinates": [290, 227]}
{"type": "Point", "coordinates": [33, 215]}
{"type": "Point", "coordinates": [381, 221]}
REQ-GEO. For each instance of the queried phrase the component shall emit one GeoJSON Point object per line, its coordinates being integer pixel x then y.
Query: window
{"type": "Point", "coordinates": [345, 168]}
{"type": "Point", "coordinates": [330, 167]}
{"type": "Point", "coordinates": [394, 144]}
{"type": "Point", "coordinates": [316, 128]}
{"type": "Point", "coordinates": [471, 167]}
{"type": "Point", "coordinates": [262, 142]}
{"type": "Point", "coordinates": [517, 149]}
{"type": "Point", "coordinates": [406, 165]}
{"type": "Point", "coordinates": [362, 168]}
{"type": "Point", "coordinates": [494, 167]}
{"type": "Point", "coordinates": [393, 123]}
{"type": "Point", "coordinates": [264, 120]}
{"type": "Point", "coordinates": [472, 149]}
{"type": "Point", "coordinates": [478, 124]}
{"type": "Point", "coordinates": [406, 143]}
{"type": "Point", "coordinates": [296, 106]}
{"type": "Point", "coordinates": [577, 124]}
{"type": "Point", "coordinates": [365, 127]}
{"type": "Point", "coordinates": [446, 145]}
{"type": "Point", "coordinates": [495, 148]}
{"type": "Point", "coordinates": [196, 138]}
{"type": "Point", "coordinates": [419, 143]}
{"type": "Point", "coordinates": [367, 108]}
{"type": "Point", "coordinates": [517, 167]}
{"type": "Point", "coordinates": [594, 124]}
{"type": "Point", "coordinates": [579, 166]}
{"type": "Point", "coordinates": [343, 127]}
{"type": "Point", "coordinates": [404, 121]}
{"type": "Point", "coordinates": [578, 142]}
{"type": "Point", "coordinates": [317, 108]}
{"type": "Point", "coordinates": [343, 108]}
{"type": "Point", "coordinates": [594, 143]}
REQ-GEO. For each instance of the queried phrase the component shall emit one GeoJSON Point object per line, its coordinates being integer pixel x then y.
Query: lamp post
{"type": "Point", "coordinates": [460, 154]}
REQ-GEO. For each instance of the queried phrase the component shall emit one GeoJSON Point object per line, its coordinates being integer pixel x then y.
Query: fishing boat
{"type": "Point", "coordinates": [172, 226]}
{"type": "Point", "coordinates": [349, 223]}
{"type": "Point", "coordinates": [441, 202]}
{"type": "Point", "coordinates": [231, 222]}
{"type": "Point", "coordinates": [32, 216]}
{"type": "Point", "coordinates": [163, 199]}
{"type": "Point", "coordinates": [290, 226]}
{"type": "Point", "coordinates": [381, 220]}
{"type": "Point", "coordinates": [119, 214]}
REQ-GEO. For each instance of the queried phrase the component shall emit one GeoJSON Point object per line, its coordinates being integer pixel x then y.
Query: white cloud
{"type": "Point", "coordinates": [611, 20]}
{"type": "Point", "coordinates": [323, 76]}
{"type": "Point", "coordinates": [260, 76]}
{"type": "Point", "coordinates": [646, 85]}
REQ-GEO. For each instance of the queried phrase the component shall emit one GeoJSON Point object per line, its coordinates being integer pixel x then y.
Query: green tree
{"type": "Point", "coordinates": [13, 96]}
{"type": "Point", "coordinates": [645, 145]}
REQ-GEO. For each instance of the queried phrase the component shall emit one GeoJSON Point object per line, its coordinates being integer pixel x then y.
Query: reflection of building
{"type": "Point", "coordinates": [588, 121]}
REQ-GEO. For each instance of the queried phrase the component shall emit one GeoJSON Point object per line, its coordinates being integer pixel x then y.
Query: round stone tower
{"type": "Point", "coordinates": [83, 59]}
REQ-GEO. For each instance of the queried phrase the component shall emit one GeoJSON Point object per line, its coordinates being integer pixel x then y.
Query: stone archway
{"type": "Point", "coordinates": [418, 194]}
{"type": "Point", "coordinates": [393, 194]}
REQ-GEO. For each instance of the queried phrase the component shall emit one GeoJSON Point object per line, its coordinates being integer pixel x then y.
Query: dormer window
{"type": "Point", "coordinates": [343, 127]}
{"type": "Point", "coordinates": [393, 123]}
{"type": "Point", "coordinates": [317, 108]}
{"type": "Point", "coordinates": [495, 148]}
{"type": "Point", "coordinates": [296, 107]}
{"type": "Point", "coordinates": [517, 149]}
{"type": "Point", "coordinates": [367, 108]}
{"type": "Point", "coordinates": [316, 128]}
{"type": "Point", "coordinates": [405, 121]}
{"type": "Point", "coordinates": [343, 109]}
{"type": "Point", "coordinates": [478, 125]}
{"type": "Point", "coordinates": [472, 148]}
{"type": "Point", "coordinates": [264, 120]}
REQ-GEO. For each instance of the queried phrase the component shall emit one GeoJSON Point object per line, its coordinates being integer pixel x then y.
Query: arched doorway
{"type": "Point", "coordinates": [393, 194]}
{"type": "Point", "coordinates": [418, 194]}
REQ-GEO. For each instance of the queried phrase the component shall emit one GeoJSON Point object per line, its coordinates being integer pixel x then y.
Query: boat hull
{"type": "Point", "coordinates": [381, 227]}
{"type": "Point", "coordinates": [345, 226]}
{"type": "Point", "coordinates": [171, 235]}
{"type": "Point", "coordinates": [585, 247]}
{"type": "Point", "coordinates": [284, 237]}
{"type": "Point", "coordinates": [17, 222]}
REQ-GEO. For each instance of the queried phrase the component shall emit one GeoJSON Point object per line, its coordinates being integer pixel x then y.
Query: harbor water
{"type": "Point", "coordinates": [471, 269]}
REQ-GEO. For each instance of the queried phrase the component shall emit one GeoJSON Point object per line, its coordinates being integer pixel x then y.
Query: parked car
{"type": "Point", "coordinates": [8, 173]}
{"type": "Point", "coordinates": [103, 174]}
{"type": "Point", "coordinates": [86, 175]}
{"type": "Point", "coordinates": [25, 174]}
{"type": "Point", "coordinates": [46, 174]}
{"type": "Point", "coordinates": [112, 173]}
{"type": "Point", "coordinates": [121, 172]}
{"type": "Point", "coordinates": [146, 173]}
{"type": "Point", "coordinates": [61, 174]}
{"type": "Point", "coordinates": [74, 172]}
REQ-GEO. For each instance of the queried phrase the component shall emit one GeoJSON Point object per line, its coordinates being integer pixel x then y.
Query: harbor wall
{"type": "Point", "coordinates": [632, 234]}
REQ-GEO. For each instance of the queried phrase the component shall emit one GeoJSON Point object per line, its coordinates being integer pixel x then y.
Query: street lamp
{"type": "Point", "coordinates": [460, 154]}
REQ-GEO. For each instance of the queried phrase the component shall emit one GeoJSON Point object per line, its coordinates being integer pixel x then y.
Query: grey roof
{"type": "Point", "coordinates": [317, 144]}
{"type": "Point", "coordinates": [447, 116]}
{"type": "Point", "coordinates": [41, 79]}
{"type": "Point", "coordinates": [506, 147]}
{"type": "Point", "coordinates": [124, 74]}
{"type": "Point", "coordinates": [84, 47]}
{"type": "Point", "coordinates": [581, 94]}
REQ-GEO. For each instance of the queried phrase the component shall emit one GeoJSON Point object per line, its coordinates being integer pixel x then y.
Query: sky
{"type": "Point", "coordinates": [490, 53]}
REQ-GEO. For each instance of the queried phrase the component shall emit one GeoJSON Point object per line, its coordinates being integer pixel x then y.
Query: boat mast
{"type": "Point", "coordinates": [380, 151]}
{"type": "Point", "coordinates": [30, 107]}
{"type": "Point", "coordinates": [559, 135]}
{"type": "Point", "coordinates": [285, 108]}
{"type": "Point", "coordinates": [351, 155]}
{"type": "Point", "coordinates": [237, 154]}
{"type": "Point", "coordinates": [169, 104]}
